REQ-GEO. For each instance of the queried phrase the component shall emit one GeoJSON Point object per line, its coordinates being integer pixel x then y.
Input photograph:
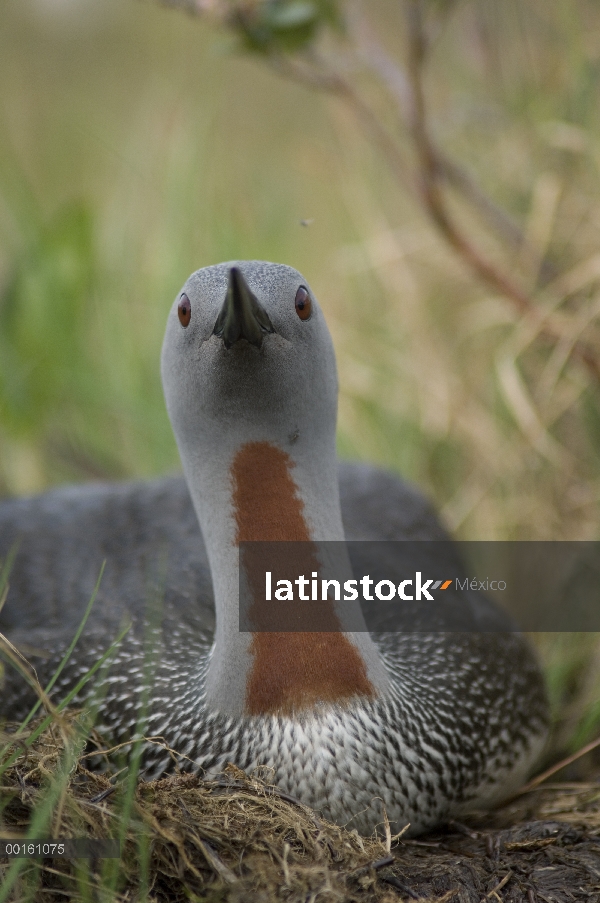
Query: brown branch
{"type": "Point", "coordinates": [315, 74]}
{"type": "Point", "coordinates": [433, 166]}
{"type": "Point", "coordinates": [495, 217]}
{"type": "Point", "coordinates": [394, 79]}
{"type": "Point", "coordinates": [429, 171]}
{"type": "Point", "coordinates": [433, 198]}
{"type": "Point", "coordinates": [499, 886]}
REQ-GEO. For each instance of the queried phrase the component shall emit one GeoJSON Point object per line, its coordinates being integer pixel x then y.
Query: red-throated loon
{"type": "Point", "coordinates": [429, 724]}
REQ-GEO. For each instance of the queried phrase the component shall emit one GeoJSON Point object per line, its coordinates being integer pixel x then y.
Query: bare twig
{"type": "Point", "coordinates": [535, 782]}
{"type": "Point", "coordinates": [433, 198]}
{"type": "Point", "coordinates": [400, 885]}
{"type": "Point", "coordinates": [434, 167]}
{"type": "Point", "coordinates": [395, 80]}
{"type": "Point", "coordinates": [429, 170]}
{"type": "Point", "coordinates": [314, 73]}
{"type": "Point", "coordinates": [498, 887]}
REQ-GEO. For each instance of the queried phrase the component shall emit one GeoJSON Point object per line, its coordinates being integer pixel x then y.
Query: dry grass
{"type": "Point", "coordinates": [240, 839]}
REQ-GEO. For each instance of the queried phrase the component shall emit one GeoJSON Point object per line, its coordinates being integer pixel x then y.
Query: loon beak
{"type": "Point", "coordinates": [242, 315]}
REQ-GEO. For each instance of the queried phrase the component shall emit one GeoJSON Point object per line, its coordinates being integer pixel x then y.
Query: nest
{"type": "Point", "coordinates": [241, 839]}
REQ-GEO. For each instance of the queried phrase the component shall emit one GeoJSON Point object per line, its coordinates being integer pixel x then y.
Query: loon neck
{"type": "Point", "coordinates": [261, 492]}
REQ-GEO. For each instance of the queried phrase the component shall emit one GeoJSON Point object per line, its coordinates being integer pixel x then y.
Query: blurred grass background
{"type": "Point", "coordinates": [137, 145]}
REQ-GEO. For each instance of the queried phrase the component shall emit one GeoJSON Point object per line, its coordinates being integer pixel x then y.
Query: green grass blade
{"type": "Point", "coordinates": [5, 571]}
{"type": "Point", "coordinates": [43, 814]}
{"type": "Point", "coordinates": [69, 651]}
{"type": "Point", "coordinates": [64, 702]}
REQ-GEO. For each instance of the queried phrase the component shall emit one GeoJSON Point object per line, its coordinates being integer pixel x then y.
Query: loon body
{"type": "Point", "coordinates": [429, 724]}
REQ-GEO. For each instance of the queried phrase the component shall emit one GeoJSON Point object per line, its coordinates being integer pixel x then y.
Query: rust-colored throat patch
{"type": "Point", "coordinates": [290, 672]}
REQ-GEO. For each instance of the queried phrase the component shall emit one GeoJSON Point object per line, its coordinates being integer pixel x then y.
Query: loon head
{"type": "Point", "coordinates": [247, 349]}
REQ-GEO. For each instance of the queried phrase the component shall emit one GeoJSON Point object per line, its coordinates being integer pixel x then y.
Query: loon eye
{"type": "Point", "coordinates": [303, 303]}
{"type": "Point", "coordinates": [184, 311]}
